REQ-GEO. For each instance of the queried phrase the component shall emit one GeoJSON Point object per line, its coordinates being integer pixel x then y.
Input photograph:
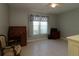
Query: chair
{"type": "Point", "coordinates": [6, 50]}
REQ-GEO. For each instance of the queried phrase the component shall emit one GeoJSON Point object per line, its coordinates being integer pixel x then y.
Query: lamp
{"type": "Point", "coordinates": [53, 5]}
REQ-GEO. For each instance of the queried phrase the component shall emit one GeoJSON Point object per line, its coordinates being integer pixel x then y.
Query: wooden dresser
{"type": "Point", "coordinates": [18, 32]}
{"type": "Point", "coordinates": [54, 34]}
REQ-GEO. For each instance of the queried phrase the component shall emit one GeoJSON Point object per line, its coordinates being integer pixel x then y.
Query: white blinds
{"type": "Point", "coordinates": [38, 18]}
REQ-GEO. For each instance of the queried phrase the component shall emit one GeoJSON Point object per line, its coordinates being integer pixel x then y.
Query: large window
{"type": "Point", "coordinates": [40, 25]}
{"type": "Point", "coordinates": [35, 27]}
{"type": "Point", "coordinates": [43, 27]}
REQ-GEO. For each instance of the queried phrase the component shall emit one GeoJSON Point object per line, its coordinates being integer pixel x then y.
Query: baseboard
{"type": "Point", "coordinates": [32, 40]}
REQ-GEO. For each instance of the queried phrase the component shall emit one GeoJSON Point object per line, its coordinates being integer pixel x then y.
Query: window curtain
{"type": "Point", "coordinates": [38, 18]}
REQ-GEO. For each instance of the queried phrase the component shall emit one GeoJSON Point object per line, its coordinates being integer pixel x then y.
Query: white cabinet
{"type": "Point", "coordinates": [73, 45]}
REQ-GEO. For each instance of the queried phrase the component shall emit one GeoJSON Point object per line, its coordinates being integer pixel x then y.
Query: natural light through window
{"type": "Point", "coordinates": [43, 27]}
{"type": "Point", "coordinates": [35, 27]}
{"type": "Point", "coordinates": [40, 27]}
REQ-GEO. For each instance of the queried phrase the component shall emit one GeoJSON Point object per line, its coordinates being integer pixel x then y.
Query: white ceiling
{"type": "Point", "coordinates": [44, 8]}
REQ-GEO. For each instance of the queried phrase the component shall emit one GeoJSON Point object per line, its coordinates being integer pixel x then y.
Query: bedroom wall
{"type": "Point", "coordinates": [20, 17]}
{"type": "Point", "coordinates": [51, 22]}
{"type": "Point", "coordinates": [4, 21]}
{"type": "Point", "coordinates": [69, 23]}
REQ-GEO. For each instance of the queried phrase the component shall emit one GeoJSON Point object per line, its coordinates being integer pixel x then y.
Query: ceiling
{"type": "Point", "coordinates": [44, 8]}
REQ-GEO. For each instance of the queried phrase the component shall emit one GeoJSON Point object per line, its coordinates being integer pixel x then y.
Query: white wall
{"type": "Point", "coordinates": [51, 22]}
{"type": "Point", "coordinates": [19, 17]}
{"type": "Point", "coordinates": [3, 19]}
{"type": "Point", "coordinates": [69, 23]}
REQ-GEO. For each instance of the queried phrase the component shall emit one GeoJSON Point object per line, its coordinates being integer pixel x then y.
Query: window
{"type": "Point", "coordinates": [40, 25]}
{"type": "Point", "coordinates": [43, 27]}
{"type": "Point", "coordinates": [35, 27]}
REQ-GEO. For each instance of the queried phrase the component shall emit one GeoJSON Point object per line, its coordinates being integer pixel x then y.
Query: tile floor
{"type": "Point", "coordinates": [45, 48]}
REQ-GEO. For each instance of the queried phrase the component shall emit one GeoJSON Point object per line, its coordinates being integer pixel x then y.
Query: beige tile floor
{"type": "Point", "coordinates": [45, 48]}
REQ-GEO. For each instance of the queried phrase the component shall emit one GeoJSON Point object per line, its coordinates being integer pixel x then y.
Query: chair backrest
{"type": "Point", "coordinates": [2, 41]}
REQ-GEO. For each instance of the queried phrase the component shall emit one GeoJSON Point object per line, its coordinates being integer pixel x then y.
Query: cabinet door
{"type": "Point", "coordinates": [73, 48]}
